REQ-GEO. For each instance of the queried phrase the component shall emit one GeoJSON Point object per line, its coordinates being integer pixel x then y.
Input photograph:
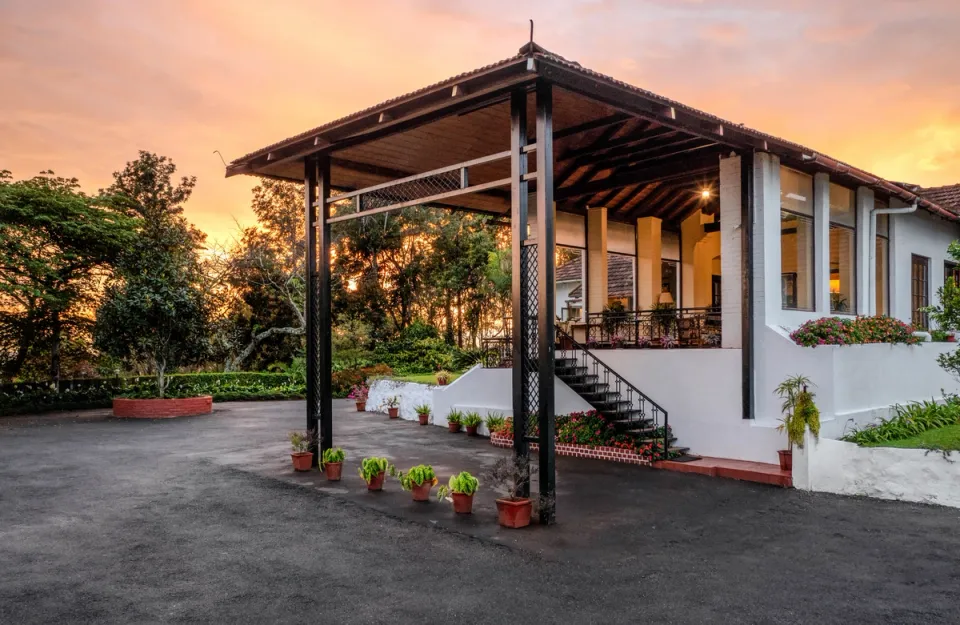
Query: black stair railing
{"type": "Point", "coordinates": [629, 405]}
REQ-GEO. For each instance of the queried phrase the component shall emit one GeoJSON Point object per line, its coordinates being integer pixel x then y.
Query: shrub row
{"type": "Point", "coordinates": [839, 331]}
{"type": "Point", "coordinates": [910, 420]}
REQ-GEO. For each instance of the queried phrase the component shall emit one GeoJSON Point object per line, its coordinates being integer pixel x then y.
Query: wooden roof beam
{"type": "Point", "coordinates": [680, 167]}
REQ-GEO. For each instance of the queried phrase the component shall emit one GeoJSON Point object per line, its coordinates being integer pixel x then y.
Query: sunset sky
{"type": "Point", "coordinates": [86, 83]}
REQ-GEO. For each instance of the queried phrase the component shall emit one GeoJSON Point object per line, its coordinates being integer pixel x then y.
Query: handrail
{"type": "Point", "coordinates": [672, 327]}
{"type": "Point", "coordinates": [565, 338]}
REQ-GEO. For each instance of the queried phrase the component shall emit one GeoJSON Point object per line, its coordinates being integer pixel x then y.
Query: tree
{"type": "Point", "coordinates": [56, 245]}
{"type": "Point", "coordinates": [155, 312]}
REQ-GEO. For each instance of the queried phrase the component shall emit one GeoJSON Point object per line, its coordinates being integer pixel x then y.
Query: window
{"type": "Point", "coordinates": [843, 247]}
{"type": "Point", "coordinates": [569, 283]}
{"type": "Point", "coordinates": [620, 279]}
{"type": "Point", "coordinates": [796, 240]}
{"type": "Point", "coordinates": [919, 290]}
{"type": "Point", "coordinates": [951, 271]}
{"type": "Point", "coordinates": [883, 264]}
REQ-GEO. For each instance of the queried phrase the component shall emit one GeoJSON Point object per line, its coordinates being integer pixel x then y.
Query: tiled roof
{"type": "Point", "coordinates": [619, 276]}
{"type": "Point", "coordinates": [947, 196]}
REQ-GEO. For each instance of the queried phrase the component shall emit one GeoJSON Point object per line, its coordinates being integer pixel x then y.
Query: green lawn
{"type": "Point", "coordinates": [423, 378]}
{"type": "Point", "coordinates": [940, 438]}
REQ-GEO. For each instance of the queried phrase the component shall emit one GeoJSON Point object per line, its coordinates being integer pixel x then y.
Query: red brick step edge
{"type": "Point", "coordinates": [162, 408]}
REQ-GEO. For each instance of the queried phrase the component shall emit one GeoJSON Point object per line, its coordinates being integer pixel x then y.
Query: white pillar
{"type": "Point", "coordinates": [596, 259]}
{"type": "Point", "coordinates": [864, 205]}
{"type": "Point", "coordinates": [766, 240]}
{"type": "Point", "coordinates": [731, 259]}
{"type": "Point", "coordinates": [821, 225]}
{"type": "Point", "coordinates": [648, 262]}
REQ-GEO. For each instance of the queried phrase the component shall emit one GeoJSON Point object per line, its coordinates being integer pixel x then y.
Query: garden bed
{"type": "Point", "coordinates": [610, 454]}
{"type": "Point", "coordinates": [162, 408]}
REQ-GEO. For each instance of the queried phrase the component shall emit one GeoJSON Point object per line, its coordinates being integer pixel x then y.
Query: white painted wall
{"type": "Point", "coordinates": [411, 394]}
{"type": "Point", "coordinates": [884, 472]}
{"type": "Point", "coordinates": [923, 234]}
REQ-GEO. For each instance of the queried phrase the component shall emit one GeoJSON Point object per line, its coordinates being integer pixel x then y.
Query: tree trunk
{"type": "Point", "coordinates": [56, 329]}
{"type": "Point", "coordinates": [448, 317]}
{"type": "Point", "coordinates": [459, 321]}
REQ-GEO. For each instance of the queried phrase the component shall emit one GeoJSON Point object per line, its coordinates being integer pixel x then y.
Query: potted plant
{"type": "Point", "coordinates": [668, 342]}
{"type": "Point", "coordinates": [643, 342]}
{"type": "Point", "coordinates": [332, 462]}
{"type": "Point", "coordinates": [495, 421]}
{"type": "Point", "coordinates": [373, 471]}
{"type": "Point", "coordinates": [454, 421]}
{"type": "Point", "coordinates": [472, 421]}
{"type": "Point", "coordinates": [460, 490]}
{"type": "Point", "coordinates": [359, 394]}
{"type": "Point", "coordinates": [799, 413]}
{"type": "Point", "coordinates": [418, 480]}
{"type": "Point", "coordinates": [510, 476]}
{"type": "Point", "coordinates": [393, 407]}
{"type": "Point", "coordinates": [423, 413]}
{"type": "Point", "coordinates": [300, 444]}
{"type": "Point", "coordinates": [947, 315]}
{"type": "Point", "coordinates": [443, 378]}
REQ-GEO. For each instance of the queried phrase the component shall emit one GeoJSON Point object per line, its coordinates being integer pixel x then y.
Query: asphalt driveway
{"type": "Point", "coordinates": [200, 520]}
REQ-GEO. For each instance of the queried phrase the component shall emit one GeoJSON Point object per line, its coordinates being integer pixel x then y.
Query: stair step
{"type": "Point", "coordinates": [584, 387]}
{"type": "Point", "coordinates": [566, 362]}
{"type": "Point", "coordinates": [658, 440]}
{"type": "Point", "coordinates": [600, 396]}
{"type": "Point", "coordinates": [632, 422]}
{"type": "Point", "coordinates": [638, 431]}
{"type": "Point", "coordinates": [570, 371]}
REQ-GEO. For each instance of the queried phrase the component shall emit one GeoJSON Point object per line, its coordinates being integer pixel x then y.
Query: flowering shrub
{"type": "Point", "coordinates": [591, 429]}
{"type": "Point", "coordinates": [838, 331]}
{"type": "Point", "coordinates": [359, 392]}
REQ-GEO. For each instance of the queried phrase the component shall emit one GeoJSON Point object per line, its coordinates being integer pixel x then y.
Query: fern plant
{"type": "Point", "coordinates": [455, 417]}
{"type": "Point", "coordinates": [416, 476]}
{"type": "Point", "coordinates": [422, 409]}
{"type": "Point", "coordinates": [301, 441]}
{"type": "Point", "coordinates": [374, 466]}
{"type": "Point", "coordinates": [495, 421]}
{"type": "Point", "coordinates": [799, 410]}
{"type": "Point", "coordinates": [462, 483]}
{"type": "Point", "coordinates": [333, 455]}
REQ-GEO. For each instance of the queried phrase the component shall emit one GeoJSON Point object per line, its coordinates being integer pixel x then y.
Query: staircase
{"type": "Point", "coordinates": [607, 392]}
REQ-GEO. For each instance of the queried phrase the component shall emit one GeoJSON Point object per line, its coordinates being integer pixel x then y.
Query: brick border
{"type": "Point", "coordinates": [610, 454]}
{"type": "Point", "coordinates": [162, 408]}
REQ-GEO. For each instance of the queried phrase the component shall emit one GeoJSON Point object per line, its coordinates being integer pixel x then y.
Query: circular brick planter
{"type": "Point", "coordinates": [162, 408]}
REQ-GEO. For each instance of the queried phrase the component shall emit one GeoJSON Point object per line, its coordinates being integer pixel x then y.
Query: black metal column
{"type": "Point", "coordinates": [749, 288]}
{"type": "Point", "coordinates": [546, 262]}
{"type": "Point", "coordinates": [324, 320]}
{"type": "Point", "coordinates": [310, 309]}
{"type": "Point", "coordinates": [518, 224]}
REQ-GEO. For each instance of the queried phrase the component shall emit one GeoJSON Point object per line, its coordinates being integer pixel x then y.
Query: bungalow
{"type": "Point", "coordinates": [716, 238]}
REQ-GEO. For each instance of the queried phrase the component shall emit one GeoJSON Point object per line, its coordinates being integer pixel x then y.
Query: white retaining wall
{"type": "Point", "coordinates": [833, 466]}
{"type": "Point", "coordinates": [411, 394]}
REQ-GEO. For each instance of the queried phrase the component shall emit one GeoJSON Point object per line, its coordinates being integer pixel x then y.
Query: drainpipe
{"type": "Point", "coordinates": [872, 269]}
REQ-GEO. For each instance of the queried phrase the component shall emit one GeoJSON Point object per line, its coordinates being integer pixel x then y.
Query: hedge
{"type": "Point", "coordinates": [29, 397]}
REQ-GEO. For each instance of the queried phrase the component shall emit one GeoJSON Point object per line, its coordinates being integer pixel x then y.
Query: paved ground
{"type": "Point", "coordinates": [200, 520]}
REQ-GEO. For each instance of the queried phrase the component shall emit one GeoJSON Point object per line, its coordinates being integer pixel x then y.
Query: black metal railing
{"type": "Point", "coordinates": [497, 352]}
{"type": "Point", "coordinates": [658, 328]}
{"type": "Point", "coordinates": [632, 406]}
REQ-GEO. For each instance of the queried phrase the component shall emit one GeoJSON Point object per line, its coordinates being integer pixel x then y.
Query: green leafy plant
{"type": "Point", "coordinates": [495, 421]}
{"type": "Point", "coordinates": [463, 483]}
{"type": "Point", "coordinates": [423, 409]}
{"type": "Point", "coordinates": [374, 466]}
{"type": "Point", "coordinates": [301, 441]}
{"type": "Point", "coordinates": [472, 420]}
{"type": "Point", "coordinates": [416, 476]}
{"type": "Point", "coordinates": [910, 420]}
{"type": "Point", "coordinates": [455, 416]}
{"type": "Point", "coordinates": [939, 336]}
{"type": "Point", "coordinates": [392, 402]}
{"type": "Point", "coordinates": [443, 377]}
{"type": "Point", "coordinates": [838, 331]}
{"type": "Point", "coordinates": [333, 455]}
{"type": "Point", "coordinates": [799, 410]}
{"type": "Point", "coordinates": [947, 314]}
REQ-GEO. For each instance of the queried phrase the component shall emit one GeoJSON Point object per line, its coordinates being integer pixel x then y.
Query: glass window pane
{"type": "Point", "coordinates": [919, 289]}
{"type": "Point", "coordinates": [841, 206]}
{"type": "Point", "coordinates": [569, 283]}
{"type": "Point", "coordinates": [796, 192]}
{"type": "Point", "coordinates": [796, 261]}
{"type": "Point", "coordinates": [883, 225]}
{"type": "Point", "coordinates": [883, 271]}
{"type": "Point", "coordinates": [620, 279]}
{"type": "Point", "coordinates": [670, 283]}
{"type": "Point", "coordinates": [842, 271]}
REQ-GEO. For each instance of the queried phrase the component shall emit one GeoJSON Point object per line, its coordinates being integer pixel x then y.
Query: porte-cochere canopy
{"type": "Point", "coordinates": [465, 144]}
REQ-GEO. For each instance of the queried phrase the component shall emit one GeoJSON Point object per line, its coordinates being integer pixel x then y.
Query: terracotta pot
{"type": "Point", "coordinates": [362, 406]}
{"type": "Point", "coordinates": [951, 338]}
{"type": "Point", "coordinates": [394, 413]}
{"type": "Point", "coordinates": [514, 513]}
{"type": "Point", "coordinates": [422, 492]}
{"type": "Point", "coordinates": [302, 460]}
{"type": "Point", "coordinates": [333, 470]}
{"type": "Point", "coordinates": [424, 419]}
{"type": "Point", "coordinates": [376, 482]}
{"type": "Point", "coordinates": [453, 427]}
{"type": "Point", "coordinates": [441, 382]}
{"type": "Point", "coordinates": [462, 504]}
{"type": "Point", "coordinates": [786, 459]}
{"type": "Point", "coordinates": [471, 430]}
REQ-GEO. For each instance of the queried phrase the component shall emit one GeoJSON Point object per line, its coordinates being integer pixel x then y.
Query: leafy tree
{"type": "Point", "coordinates": [155, 313]}
{"type": "Point", "coordinates": [56, 245]}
